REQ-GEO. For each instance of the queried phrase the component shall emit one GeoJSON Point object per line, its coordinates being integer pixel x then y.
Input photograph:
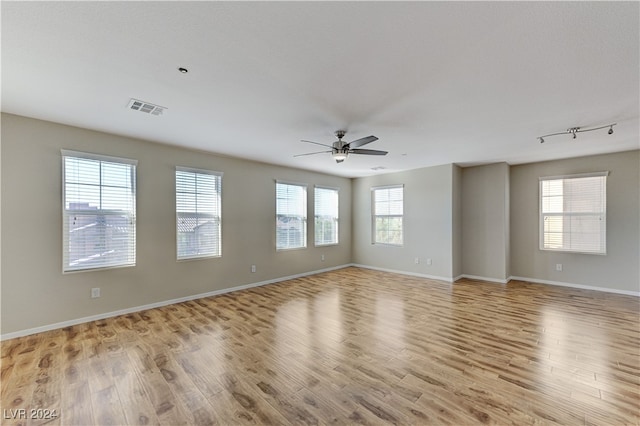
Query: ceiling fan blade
{"type": "Point", "coordinates": [367, 152]}
{"type": "Point", "coordinates": [317, 143]}
{"type": "Point", "coordinates": [312, 153]}
{"type": "Point", "coordinates": [362, 141]}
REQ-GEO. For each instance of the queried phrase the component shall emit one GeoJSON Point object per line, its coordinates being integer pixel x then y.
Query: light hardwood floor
{"type": "Point", "coordinates": [343, 347]}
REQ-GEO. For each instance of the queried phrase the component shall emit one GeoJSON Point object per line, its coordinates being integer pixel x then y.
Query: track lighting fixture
{"type": "Point", "coordinates": [573, 131]}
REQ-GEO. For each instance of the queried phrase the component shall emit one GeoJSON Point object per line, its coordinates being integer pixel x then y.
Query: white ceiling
{"type": "Point", "coordinates": [437, 82]}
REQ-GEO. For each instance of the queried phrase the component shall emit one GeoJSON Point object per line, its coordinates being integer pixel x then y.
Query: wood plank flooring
{"type": "Point", "coordinates": [352, 346]}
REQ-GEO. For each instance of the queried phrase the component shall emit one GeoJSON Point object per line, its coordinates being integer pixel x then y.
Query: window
{"type": "Point", "coordinates": [387, 214]}
{"type": "Point", "coordinates": [326, 216]}
{"type": "Point", "coordinates": [573, 213]}
{"type": "Point", "coordinates": [99, 211]}
{"type": "Point", "coordinates": [198, 213]}
{"type": "Point", "coordinates": [291, 216]}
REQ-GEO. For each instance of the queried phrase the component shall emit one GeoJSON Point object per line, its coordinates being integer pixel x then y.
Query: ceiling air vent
{"type": "Point", "coordinates": [147, 107]}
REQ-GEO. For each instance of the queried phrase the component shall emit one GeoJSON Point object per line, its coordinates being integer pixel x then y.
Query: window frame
{"type": "Point", "coordinates": [131, 214]}
{"type": "Point", "coordinates": [374, 216]}
{"type": "Point", "coordinates": [304, 220]}
{"type": "Point", "coordinates": [568, 214]}
{"type": "Point", "coordinates": [218, 218]}
{"type": "Point", "coordinates": [336, 218]}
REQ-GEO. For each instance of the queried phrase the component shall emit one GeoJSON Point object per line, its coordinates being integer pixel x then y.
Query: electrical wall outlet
{"type": "Point", "coordinates": [322, 257]}
{"type": "Point", "coordinates": [253, 268]}
{"type": "Point", "coordinates": [559, 267]}
{"type": "Point", "coordinates": [417, 260]}
{"type": "Point", "coordinates": [429, 261]}
{"type": "Point", "coordinates": [95, 292]}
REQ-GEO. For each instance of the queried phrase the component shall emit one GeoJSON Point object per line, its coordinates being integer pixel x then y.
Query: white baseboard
{"type": "Point", "coordinates": [477, 277]}
{"type": "Point", "coordinates": [580, 286]}
{"type": "Point", "coordinates": [105, 315]}
{"type": "Point", "coordinates": [499, 281]}
{"type": "Point", "coordinates": [413, 274]}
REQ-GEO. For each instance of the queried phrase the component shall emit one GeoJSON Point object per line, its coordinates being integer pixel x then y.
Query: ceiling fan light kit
{"type": "Point", "coordinates": [573, 131]}
{"type": "Point", "coordinates": [340, 150]}
{"type": "Point", "coordinates": [339, 156]}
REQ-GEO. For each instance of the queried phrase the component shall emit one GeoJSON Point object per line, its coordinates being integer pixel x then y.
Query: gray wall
{"type": "Point", "coordinates": [618, 269]}
{"type": "Point", "coordinates": [480, 221]}
{"type": "Point", "coordinates": [428, 222]}
{"type": "Point", "coordinates": [485, 221]}
{"type": "Point", "coordinates": [35, 293]}
{"type": "Point", "coordinates": [457, 243]}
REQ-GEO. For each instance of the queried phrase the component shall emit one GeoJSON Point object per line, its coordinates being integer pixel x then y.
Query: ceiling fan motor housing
{"type": "Point", "coordinates": [339, 146]}
{"type": "Point", "coordinates": [340, 151]}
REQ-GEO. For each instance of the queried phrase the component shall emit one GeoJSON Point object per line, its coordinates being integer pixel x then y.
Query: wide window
{"type": "Point", "coordinates": [573, 213]}
{"type": "Point", "coordinates": [198, 212]}
{"type": "Point", "coordinates": [99, 211]}
{"type": "Point", "coordinates": [387, 214]}
{"type": "Point", "coordinates": [326, 216]}
{"type": "Point", "coordinates": [291, 216]}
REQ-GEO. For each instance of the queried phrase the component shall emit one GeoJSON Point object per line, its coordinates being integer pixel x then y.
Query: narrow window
{"type": "Point", "coordinates": [291, 216]}
{"type": "Point", "coordinates": [387, 214]}
{"type": "Point", "coordinates": [573, 213]}
{"type": "Point", "coordinates": [198, 213]}
{"type": "Point", "coordinates": [326, 216]}
{"type": "Point", "coordinates": [99, 211]}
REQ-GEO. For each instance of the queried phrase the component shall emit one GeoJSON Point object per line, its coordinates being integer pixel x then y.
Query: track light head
{"type": "Point", "coordinates": [574, 135]}
{"type": "Point", "coordinates": [610, 130]}
{"type": "Point", "coordinates": [541, 140]}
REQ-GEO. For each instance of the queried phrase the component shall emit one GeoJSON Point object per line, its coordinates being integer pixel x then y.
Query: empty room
{"type": "Point", "coordinates": [226, 213]}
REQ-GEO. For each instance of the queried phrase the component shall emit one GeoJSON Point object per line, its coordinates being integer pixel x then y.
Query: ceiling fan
{"type": "Point", "coordinates": [341, 149]}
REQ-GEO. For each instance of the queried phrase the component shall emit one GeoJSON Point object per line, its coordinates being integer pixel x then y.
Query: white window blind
{"type": "Point", "coordinates": [99, 211]}
{"type": "Point", "coordinates": [573, 213]}
{"type": "Point", "coordinates": [291, 216]}
{"type": "Point", "coordinates": [326, 216]}
{"type": "Point", "coordinates": [198, 213]}
{"type": "Point", "coordinates": [388, 210]}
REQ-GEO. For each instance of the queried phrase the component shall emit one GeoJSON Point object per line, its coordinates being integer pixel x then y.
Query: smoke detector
{"type": "Point", "coordinates": [147, 107]}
